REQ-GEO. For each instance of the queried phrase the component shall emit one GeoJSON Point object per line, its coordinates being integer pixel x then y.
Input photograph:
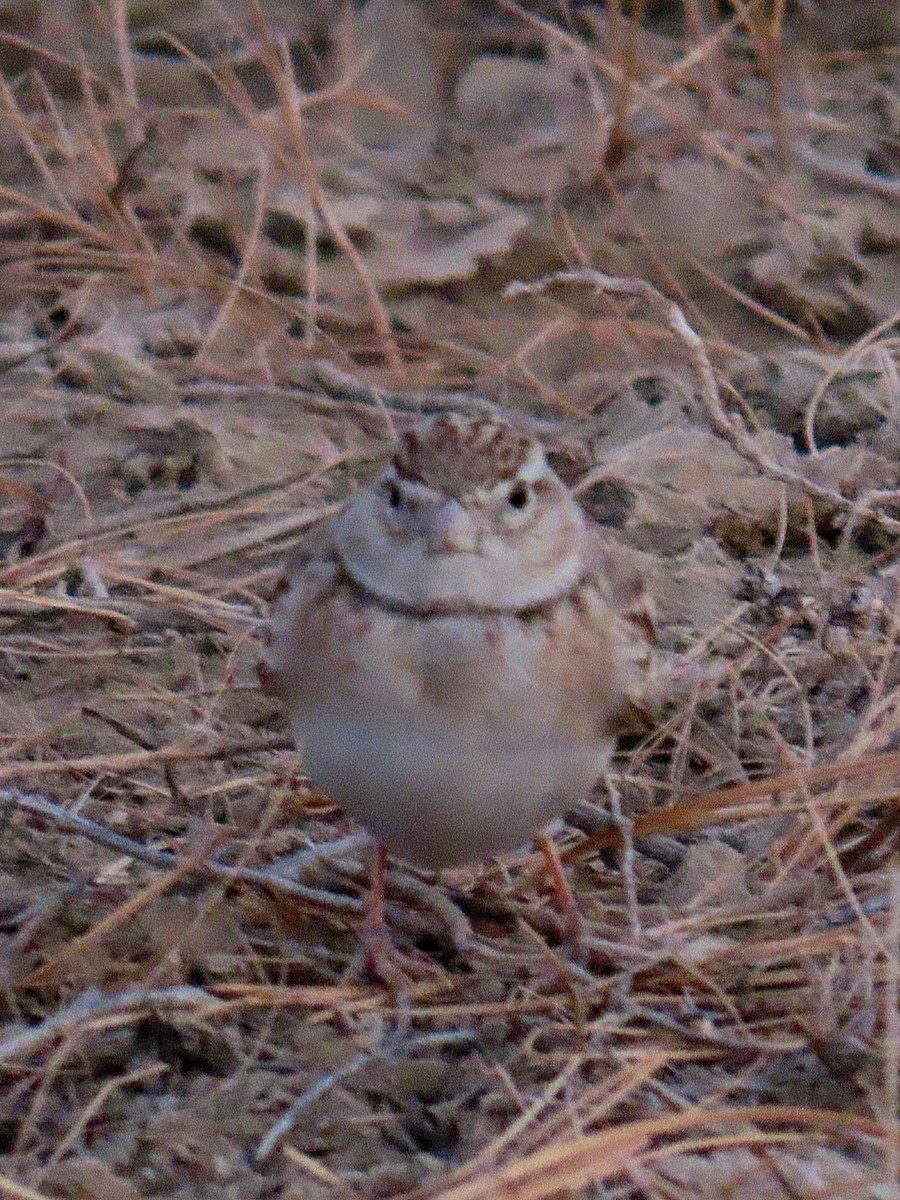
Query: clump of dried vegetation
{"type": "Point", "coordinates": [243, 242]}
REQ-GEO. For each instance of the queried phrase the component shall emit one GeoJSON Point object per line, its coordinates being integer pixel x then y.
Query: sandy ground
{"type": "Point", "coordinates": [243, 246]}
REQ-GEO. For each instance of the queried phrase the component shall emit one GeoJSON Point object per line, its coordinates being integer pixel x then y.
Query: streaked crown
{"type": "Point", "coordinates": [455, 455]}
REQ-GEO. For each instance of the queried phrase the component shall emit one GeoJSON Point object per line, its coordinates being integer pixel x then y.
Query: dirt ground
{"type": "Point", "coordinates": [242, 245]}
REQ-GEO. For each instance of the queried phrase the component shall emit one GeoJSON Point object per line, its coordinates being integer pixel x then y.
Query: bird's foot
{"type": "Point", "coordinates": [382, 960]}
{"type": "Point", "coordinates": [379, 957]}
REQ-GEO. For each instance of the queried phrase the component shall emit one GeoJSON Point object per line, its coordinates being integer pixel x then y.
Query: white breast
{"type": "Point", "coordinates": [439, 799]}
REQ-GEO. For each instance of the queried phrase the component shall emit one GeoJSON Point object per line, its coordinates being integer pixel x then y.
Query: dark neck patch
{"type": "Point", "coordinates": [368, 596]}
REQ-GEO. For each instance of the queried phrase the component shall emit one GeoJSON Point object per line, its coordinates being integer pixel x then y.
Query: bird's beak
{"type": "Point", "coordinates": [450, 530]}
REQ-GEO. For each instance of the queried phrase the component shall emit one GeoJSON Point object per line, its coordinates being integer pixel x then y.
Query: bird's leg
{"type": "Point", "coordinates": [562, 890]}
{"type": "Point", "coordinates": [381, 959]}
{"type": "Point", "coordinates": [376, 941]}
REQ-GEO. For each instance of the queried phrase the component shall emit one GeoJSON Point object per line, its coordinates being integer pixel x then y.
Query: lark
{"type": "Point", "coordinates": [457, 650]}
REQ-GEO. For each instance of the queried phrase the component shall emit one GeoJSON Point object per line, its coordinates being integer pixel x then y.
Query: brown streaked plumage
{"type": "Point", "coordinates": [453, 455]}
{"type": "Point", "coordinates": [457, 649]}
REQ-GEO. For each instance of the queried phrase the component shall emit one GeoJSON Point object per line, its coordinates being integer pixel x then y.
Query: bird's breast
{"type": "Point", "coordinates": [443, 797]}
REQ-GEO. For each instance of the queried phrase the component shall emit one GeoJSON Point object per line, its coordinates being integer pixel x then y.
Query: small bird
{"type": "Point", "coordinates": [456, 651]}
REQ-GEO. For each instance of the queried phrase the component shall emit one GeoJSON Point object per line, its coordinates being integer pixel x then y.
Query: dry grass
{"type": "Point", "coordinates": [242, 248]}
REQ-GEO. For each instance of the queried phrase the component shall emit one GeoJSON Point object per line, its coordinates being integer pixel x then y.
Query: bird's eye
{"type": "Point", "coordinates": [394, 495]}
{"type": "Point", "coordinates": [519, 495]}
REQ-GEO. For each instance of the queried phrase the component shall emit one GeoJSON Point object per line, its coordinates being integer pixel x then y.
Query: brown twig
{"type": "Point", "coordinates": [140, 759]}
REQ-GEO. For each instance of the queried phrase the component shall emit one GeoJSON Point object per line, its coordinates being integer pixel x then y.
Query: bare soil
{"type": "Point", "coordinates": [242, 245]}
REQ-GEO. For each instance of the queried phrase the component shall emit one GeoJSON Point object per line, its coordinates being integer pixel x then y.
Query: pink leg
{"type": "Point", "coordinates": [375, 938]}
{"type": "Point", "coordinates": [565, 897]}
{"type": "Point", "coordinates": [380, 957]}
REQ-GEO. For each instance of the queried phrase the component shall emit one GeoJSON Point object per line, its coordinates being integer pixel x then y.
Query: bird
{"type": "Point", "coordinates": [457, 650]}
